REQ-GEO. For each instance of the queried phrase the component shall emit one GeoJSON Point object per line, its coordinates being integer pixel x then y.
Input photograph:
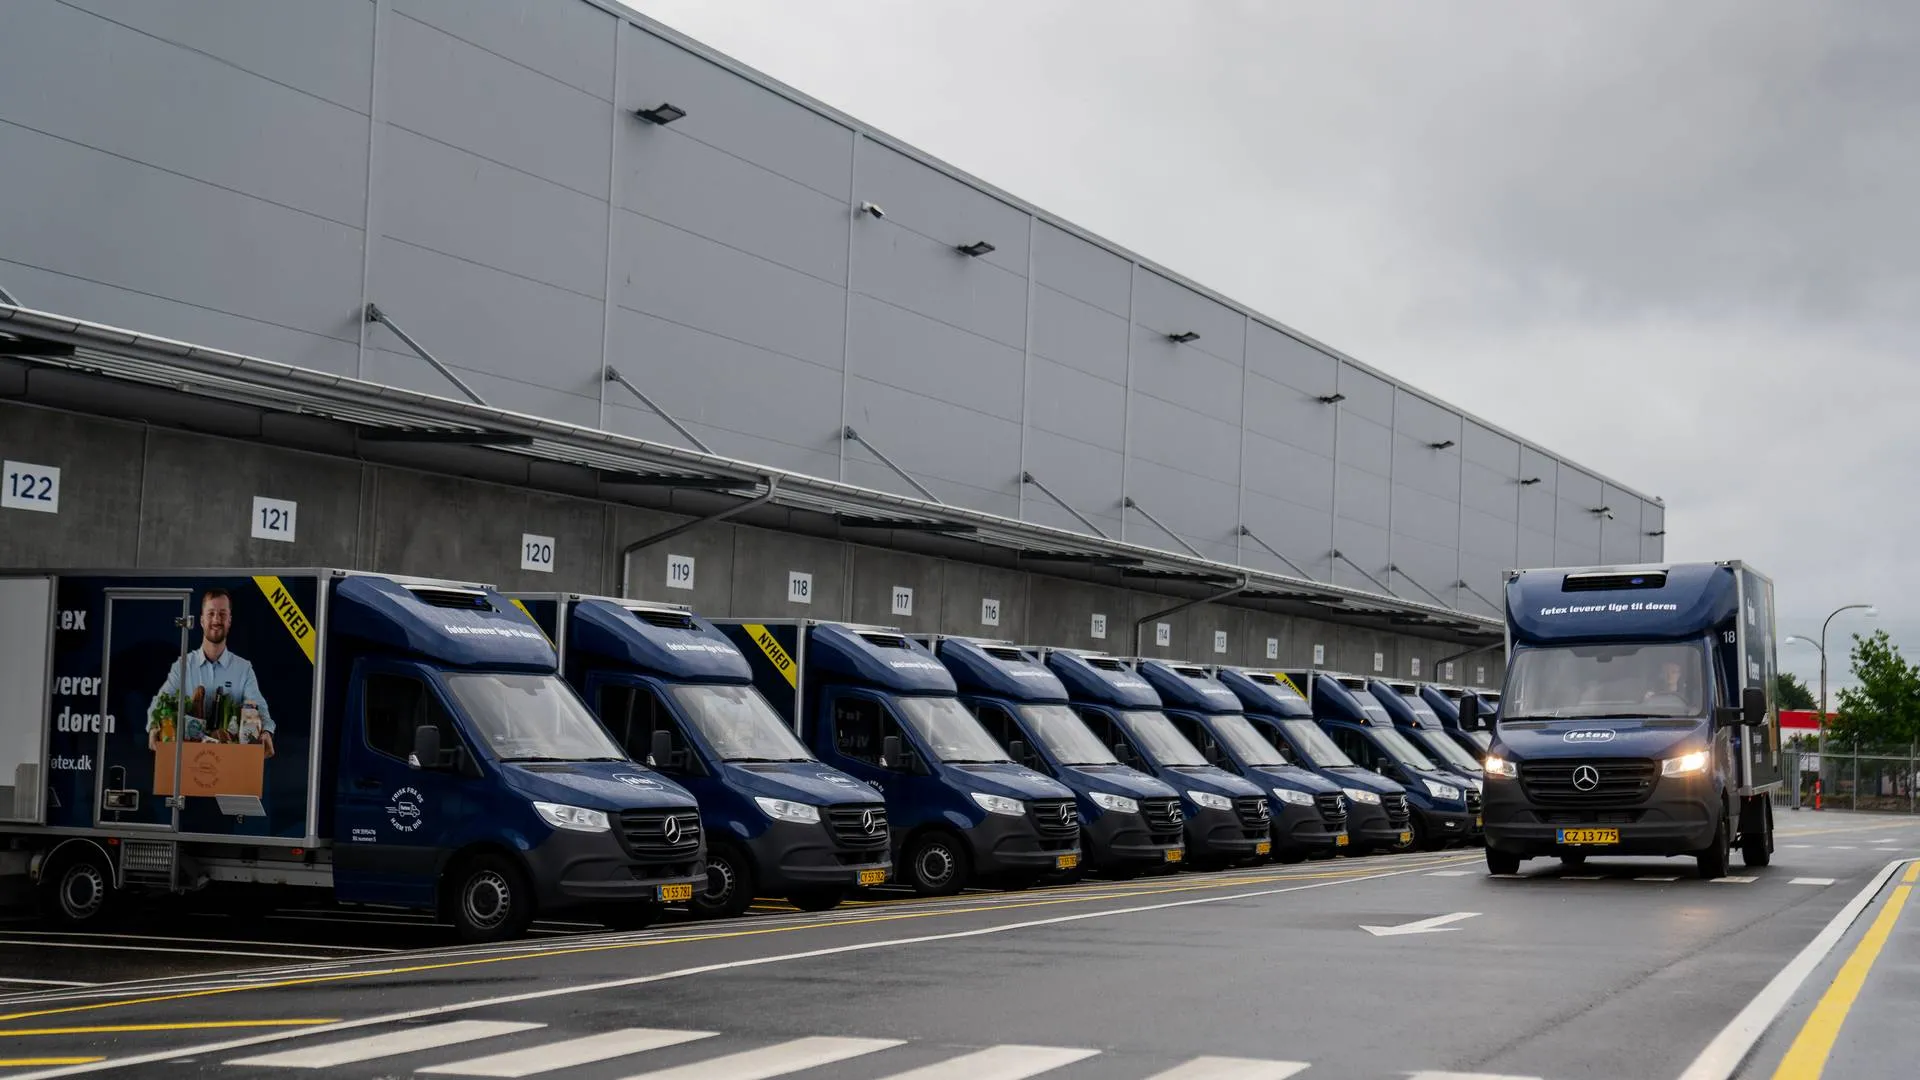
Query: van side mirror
{"type": "Point", "coordinates": [1123, 752]}
{"type": "Point", "coordinates": [426, 747]}
{"type": "Point", "coordinates": [660, 756]}
{"type": "Point", "coordinates": [892, 753]}
{"type": "Point", "coordinates": [1017, 750]}
{"type": "Point", "coordinates": [1470, 714]}
{"type": "Point", "coordinates": [1753, 707]}
{"type": "Point", "coordinates": [1212, 754]}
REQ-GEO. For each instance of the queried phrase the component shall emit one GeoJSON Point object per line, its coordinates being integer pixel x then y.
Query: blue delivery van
{"type": "Point", "coordinates": [374, 739]}
{"type": "Point", "coordinates": [1226, 817]}
{"type": "Point", "coordinates": [674, 691]}
{"type": "Point", "coordinates": [875, 704]}
{"type": "Point", "coordinates": [1638, 716]}
{"type": "Point", "coordinates": [1422, 727]}
{"type": "Point", "coordinates": [1129, 822]}
{"type": "Point", "coordinates": [1276, 710]}
{"type": "Point", "coordinates": [1309, 815]}
{"type": "Point", "coordinates": [1444, 808]}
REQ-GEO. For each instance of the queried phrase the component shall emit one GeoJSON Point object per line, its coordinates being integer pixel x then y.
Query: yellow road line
{"type": "Point", "coordinates": [10, 1062]}
{"type": "Point", "coordinates": [1806, 1059]}
{"type": "Point", "coordinates": [617, 946]}
{"type": "Point", "coordinates": [108, 1029]}
{"type": "Point", "coordinates": [1785, 834]}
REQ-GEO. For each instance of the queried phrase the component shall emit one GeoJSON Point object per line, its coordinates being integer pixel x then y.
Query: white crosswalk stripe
{"type": "Point", "coordinates": [1657, 877]}
{"type": "Point", "coordinates": [1466, 1076]}
{"type": "Point", "coordinates": [1811, 881]}
{"type": "Point", "coordinates": [1231, 1068]}
{"type": "Point", "coordinates": [547, 1057]}
{"type": "Point", "coordinates": [1733, 880]}
{"type": "Point", "coordinates": [776, 1060]}
{"type": "Point", "coordinates": [1452, 873]}
{"type": "Point", "coordinates": [407, 1041]}
{"type": "Point", "coordinates": [1006, 1062]}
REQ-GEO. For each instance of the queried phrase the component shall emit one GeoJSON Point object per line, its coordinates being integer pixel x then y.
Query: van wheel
{"type": "Point", "coordinates": [491, 899]}
{"type": "Point", "coordinates": [1502, 862]}
{"type": "Point", "coordinates": [1756, 844]}
{"type": "Point", "coordinates": [1713, 861]}
{"type": "Point", "coordinates": [823, 899]}
{"type": "Point", "coordinates": [937, 864]}
{"type": "Point", "coordinates": [730, 884]}
{"type": "Point", "coordinates": [78, 891]}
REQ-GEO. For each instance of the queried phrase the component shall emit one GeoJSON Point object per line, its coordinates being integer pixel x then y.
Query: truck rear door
{"type": "Point", "coordinates": [156, 716]}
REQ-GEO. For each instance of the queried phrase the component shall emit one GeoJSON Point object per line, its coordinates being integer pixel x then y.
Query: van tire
{"type": "Point", "coordinates": [1756, 843]}
{"type": "Point", "coordinates": [77, 890]}
{"type": "Point", "coordinates": [1712, 861]}
{"type": "Point", "coordinates": [489, 898]}
{"type": "Point", "coordinates": [1502, 862]}
{"type": "Point", "coordinates": [825, 898]}
{"type": "Point", "coordinates": [730, 884]}
{"type": "Point", "coordinates": [935, 863]}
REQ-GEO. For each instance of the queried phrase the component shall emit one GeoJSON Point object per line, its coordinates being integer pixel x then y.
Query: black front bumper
{"type": "Point", "coordinates": [1220, 834]}
{"type": "Point", "coordinates": [1449, 826]}
{"type": "Point", "coordinates": [1369, 825]}
{"type": "Point", "coordinates": [577, 869]}
{"type": "Point", "coordinates": [1113, 840]}
{"type": "Point", "coordinates": [1676, 818]}
{"type": "Point", "coordinates": [788, 855]}
{"type": "Point", "coordinates": [1003, 843]}
{"type": "Point", "coordinates": [1304, 828]}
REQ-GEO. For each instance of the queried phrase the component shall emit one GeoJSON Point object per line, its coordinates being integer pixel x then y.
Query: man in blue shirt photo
{"type": "Point", "coordinates": [209, 670]}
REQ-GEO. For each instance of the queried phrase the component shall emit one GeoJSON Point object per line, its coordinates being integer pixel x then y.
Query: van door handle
{"type": "Point", "coordinates": [367, 783]}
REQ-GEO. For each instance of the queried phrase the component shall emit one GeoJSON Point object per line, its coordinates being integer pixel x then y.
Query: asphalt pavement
{"type": "Point", "coordinates": [1402, 966]}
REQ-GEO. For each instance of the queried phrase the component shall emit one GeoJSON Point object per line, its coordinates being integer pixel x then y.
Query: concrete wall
{"type": "Point", "coordinates": [248, 174]}
{"type": "Point", "coordinates": [132, 495]}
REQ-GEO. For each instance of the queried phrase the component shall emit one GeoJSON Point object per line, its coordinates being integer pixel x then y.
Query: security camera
{"type": "Point", "coordinates": [1608, 514]}
{"type": "Point", "coordinates": [873, 208]}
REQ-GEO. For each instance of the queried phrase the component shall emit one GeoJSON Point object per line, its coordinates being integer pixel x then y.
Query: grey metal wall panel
{"type": "Point", "coordinates": [1185, 376]}
{"type": "Point", "coordinates": [569, 43]}
{"type": "Point", "coordinates": [939, 208]}
{"type": "Point", "coordinates": [681, 278]}
{"type": "Point", "coordinates": [900, 267]}
{"type": "Point", "coordinates": [1490, 491]}
{"type": "Point", "coordinates": [1429, 518]}
{"type": "Point", "coordinates": [1362, 496]}
{"type": "Point", "coordinates": [1300, 534]}
{"type": "Point", "coordinates": [1536, 550]}
{"type": "Point", "coordinates": [1434, 567]}
{"type": "Point", "coordinates": [1087, 272]}
{"type": "Point", "coordinates": [247, 134]}
{"type": "Point", "coordinates": [918, 355]}
{"type": "Point", "coordinates": [1067, 401]}
{"type": "Point", "coordinates": [1538, 501]}
{"type": "Point", "coordinates": [1204, 512]}
{"type": "Point", "coordinates": [1423, 422]}
{"type": "Point", "coordinates": [1365, 445]}
{"type": "Point", "coordinates": [1366, 545]}
{"type": "Point", "coordinates": [102, 219]}
{"type": "Point", "coordinates": [1184, 440]}
{"type": "Point", "coordinates": [737, 116]}
{"type": "Point", "coordinates": [1620, 535]}
{"type": "Point", "coordinates": [1418, 465]}
{"type": "Point", "coordinates": [1163, 307]}
{"type": "Point", "coordinates": [446, 89]}
{"type": "Point", "coordinates": [673, 178]}
{"type": "Point", "coordinates": [1485, 578]}
{"type": "Point", "coordinates": [447, 200]}
{"type": "Point", "coordinates": [1085, 476]}
{"type": "Point", "coordinates": [1653, 537]}
{"type": "Point", "coordinates": [1301, 477]}
{"type": "Point", "coordinates": [932, 439]}
{"type": "Point", "coordinates": [407, 371]}
{"type": "Point", "coordinates": [1282, 412]}
{"type": "Point", "coordinates": [1577, 527]}
{"type": "Point", "coordinates": [1489, 449]}
{"type": "Point", "coordinates": [1486, 536]}
{"type": "Point", "coordinates": [1079, 334]}
{"type": "Point", "coordinates": [1292, 363]}
{"type": "Point", "coordinates": [1367, 395]}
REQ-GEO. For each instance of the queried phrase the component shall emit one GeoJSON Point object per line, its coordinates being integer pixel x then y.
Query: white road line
{"type": "Point", "coordinates": [682, 973]}
{"type": "Point", "coordinates": [1231, 1068]}
{"type": "Point", "coordinates": [1811, 881]}
{"type": "Point", "coordinates": [1431, 1075]}
{"type": "Point", "coordinates": [563, 1055]}
{"type": "Point", "coordinates": [407, 1041]}
{"type": "Point", "coordinates": [43, 982]}
{"type": "Point", "coordinates": [90, 935]}
{"type": "Point", "coordinates": [1657, 877]}
{"type": "Point", "coordinates": [1729, 1048]}
{"type": "Point", "coordinates": [1839, 847]}
{"type": "Point", "coordinates": [1581, 877]}
{"type": "Point", "coordinates": [157, 948]}
{"type": "Point", "coordinates": [1004, 1062]}
{"type": "Point", "coordinates": [1794, 845]}
{"type": "Point", "coordinates": [1732, 880]}
{"type": "Point", "coordinates": [1445, 873]}
{"type": "Point", "coordinates": [777, 1060]}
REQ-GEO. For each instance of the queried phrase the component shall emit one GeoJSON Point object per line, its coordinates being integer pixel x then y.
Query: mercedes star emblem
{"type": "Point", "coordinates": [1586, 778]}
{"type": "Point", "coordinates": [672, 829]}
{"type": "Point", "coordinates": [870, 821]}
{"type": "Point", "coordinates": [1066, 814]}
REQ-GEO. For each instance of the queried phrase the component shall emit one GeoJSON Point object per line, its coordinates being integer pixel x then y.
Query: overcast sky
{"type": "Point", "coordinates": [1676, 243]}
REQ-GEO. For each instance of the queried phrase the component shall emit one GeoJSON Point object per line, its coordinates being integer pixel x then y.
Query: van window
{"type": "Point", "coordinates": [999, 723]}
{"type": "Point", "coordinates": [861, 727]}
{"type": "Point", "coordinates": [1198, 735]}
{"type": "Point", "coordinates": [632, 714]}
{"type": "Point", "coordinates": [395, 706]}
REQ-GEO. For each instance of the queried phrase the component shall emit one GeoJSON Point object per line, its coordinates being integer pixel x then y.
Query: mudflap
{"type": "Point", "coordinates": [1756, 819]}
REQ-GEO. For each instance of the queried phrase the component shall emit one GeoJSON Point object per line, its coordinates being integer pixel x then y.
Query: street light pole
{"type": "Point", "coordinates": [1871, 611]}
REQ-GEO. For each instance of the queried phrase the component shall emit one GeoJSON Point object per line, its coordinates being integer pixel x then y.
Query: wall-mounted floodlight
{"type": "Point", "coordinates": [1601, 511]}
{"type": "Point", "coordinates": [975, 249]}
{"type": "Point", "coordinates": [663, 113]}
{"type": "Point", "coordinates": [1183, 337]}
{"type": "Point", "coordinates": [1529, 480]}
{"type": "Point", "coordinates": [1332, 399]}
{"type": "Point", "coordinates": [1441, 445]}
{"type": "Point", "coordinates": [872, 208]}
{"type": "Point", "coordinates": [1658, 532]}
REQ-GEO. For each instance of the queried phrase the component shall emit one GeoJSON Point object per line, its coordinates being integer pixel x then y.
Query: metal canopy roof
{"type": "Point", "coordinates": [388, 413]}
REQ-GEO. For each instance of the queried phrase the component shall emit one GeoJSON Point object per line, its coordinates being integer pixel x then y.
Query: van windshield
{"type": "Point", "coordinates": [1160, 739]}
{"type": "Point", "coordinates": [1440, 746]}
{"type": "Point", "coordinates": [1314, 745]}
{"type": "Point", "coordinates": [739, 724]}
{"type": "Point", "coordinates": [1237, 733]}
{"type": "Point", "coordinates": [950, 731]}
{"type": "Point", "coordinates": [531, 718]}
{"type": "Point", "coordinates": [1593, 682]}
{"type": "Point", "coordinates": [1402, 751]}
{"type": "Point", "coordinates": [1065, 735]}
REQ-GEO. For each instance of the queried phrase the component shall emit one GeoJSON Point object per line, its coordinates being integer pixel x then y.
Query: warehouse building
{"type": "Point", "coordinates": [542, 293]}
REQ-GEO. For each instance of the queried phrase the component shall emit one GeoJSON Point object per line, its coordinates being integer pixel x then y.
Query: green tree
{"type": "Point", "coordinates": [1791, 693]}
{"type": "Point", "coordinates": [1883, 711]}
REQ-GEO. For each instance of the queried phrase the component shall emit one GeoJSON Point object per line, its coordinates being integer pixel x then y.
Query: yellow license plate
{"type": "Point", "coordinates": [1263, 847]}
{"type": "Point", "coordinates": [1589, 836]}
{"type": "Point", "coordinates": [1066, 862]}
{"type": "Point", "coordinates": [670, 893]}
{"type": "Point", "coordinates": [1479, 822]}
{"type": "Point", "coordinates": [1174, 854]}
{"type": "Point", "coordinates": [1340, 841]}
{"type": "Point", "coordinates": [873, 877]}
{"type": "Point", "coordinates": [1406, 838]}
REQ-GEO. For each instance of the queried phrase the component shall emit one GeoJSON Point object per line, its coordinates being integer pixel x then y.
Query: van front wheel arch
{"type": "Point", "coordinates": [488, 897]}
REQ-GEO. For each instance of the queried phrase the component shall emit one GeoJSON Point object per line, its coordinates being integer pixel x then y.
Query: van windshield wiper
{"type": "Point", "coordinates": [977, 761]}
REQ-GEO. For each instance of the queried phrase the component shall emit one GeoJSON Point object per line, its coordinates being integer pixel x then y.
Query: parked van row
{"type": "Point", "coordinates": [447, 747]}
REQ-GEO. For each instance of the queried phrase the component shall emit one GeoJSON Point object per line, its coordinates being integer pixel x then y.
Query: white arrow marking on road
{"type": "Point", "coordinates": [1435, 925]}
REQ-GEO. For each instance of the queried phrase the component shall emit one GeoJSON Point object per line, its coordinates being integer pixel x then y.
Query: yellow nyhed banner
{"type": "Point", "coordinates": [781, 661]}
{"type": "Point", "coordinates": [291, 616]}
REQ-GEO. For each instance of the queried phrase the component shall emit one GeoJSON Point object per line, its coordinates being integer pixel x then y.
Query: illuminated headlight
{"type": "Point", "coordinates": [1293, 798]}
{"type": "Point", "coordinates": [1210, 801]}
{"type": "Point", "coordinates": [1442, 791]}
{"type": "Point", "coordinates": [1365, 798]}
{"type": "Point", "coordinates": [1684, 764]}
{"type": "Point", "coordinates": [787, 810]}
{"type": "Point", "coordinates": [577, 818]}
{"type": "Point", "coordinates": [1500, 768]}
{"type": "Point", "coordinates": [1119, 804]}
{"type": "Point", "coordinates": [1000, 804]}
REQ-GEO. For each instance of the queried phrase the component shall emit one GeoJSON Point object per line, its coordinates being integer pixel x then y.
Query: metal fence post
{"type": "Point", "coordinates": [1853, 793]}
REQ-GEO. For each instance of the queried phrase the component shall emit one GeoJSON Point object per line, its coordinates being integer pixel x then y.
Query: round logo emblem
{"type": "Point", "coordinates": [406, 811]}
{"type": "Point", "coordinates": [1586, 778]}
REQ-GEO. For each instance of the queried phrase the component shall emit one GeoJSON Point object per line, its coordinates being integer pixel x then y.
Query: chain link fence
{"type": "Point", "coordinates": [1872, 781]}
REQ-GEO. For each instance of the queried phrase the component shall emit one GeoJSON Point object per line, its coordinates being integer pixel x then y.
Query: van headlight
{"type": "Point", "coordinates": [1442, 791]}
{"type": "Point", "coordinates": [1684, 764]}
{"type": "Point", "coordinates": [1119, 804]}
{"type": "Point", "coordinates": [577, 818]}
{"type": "Point", "coordinates": [1500, 768]}
{"type": "Point", "coordinates": [1210, 801]}
{"type": "Point", "coordinates": [1293, 798]}
{"type": "Point", "coordinates": [1000, 804]}
{"type": "Point", "coordinates": [1361, 796]}
{"type": "Point", "coordinates": [787, 810]}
